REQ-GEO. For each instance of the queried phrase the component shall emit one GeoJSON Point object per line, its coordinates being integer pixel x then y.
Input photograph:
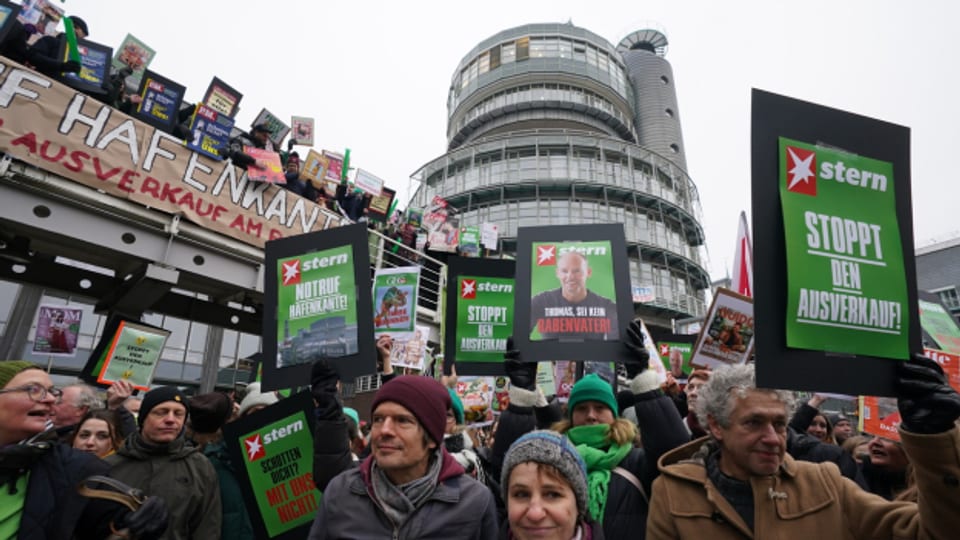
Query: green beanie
{"type": "Point", "coordinates": [353, 414]}
{"type": "Point", "coordinates": [457, 406]}
{"type": "Point", "coordinates": [592, 388]}
{"type": "Point", "coordinates": [10, 368]}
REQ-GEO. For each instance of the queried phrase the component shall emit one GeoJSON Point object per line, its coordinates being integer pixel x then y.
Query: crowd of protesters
{"type": "Point", "coordinates": [719, 458]}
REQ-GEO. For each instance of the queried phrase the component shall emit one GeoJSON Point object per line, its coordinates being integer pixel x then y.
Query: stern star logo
{"type": "Point", "coordinates": [546, 255]}
{"type": "Point", "coordinates": [801, 165]}
{"type": "Point", "coordinates": [468, 289]}
{"type": "Point", "coordinates": [255, 449]}
{"type": "Point", "coordinates": [664, 349]}
{"type": "Point", "coordinates": [291, 272]}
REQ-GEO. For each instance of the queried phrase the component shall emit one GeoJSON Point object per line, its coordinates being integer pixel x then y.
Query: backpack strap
{"type": "Point", "coordinates": [632, 478]}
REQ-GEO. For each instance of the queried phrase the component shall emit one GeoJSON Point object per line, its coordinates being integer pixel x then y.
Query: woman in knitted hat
{"type": "Point", "coordinates": [39, 475]}
{"type": "Point", "coordinates": [619, 476]}
{"type": "Point", "coordinates": [544, 482]}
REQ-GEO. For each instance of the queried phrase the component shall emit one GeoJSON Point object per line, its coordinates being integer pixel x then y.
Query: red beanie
{"type": "Point", "coordinates": [425, 397]}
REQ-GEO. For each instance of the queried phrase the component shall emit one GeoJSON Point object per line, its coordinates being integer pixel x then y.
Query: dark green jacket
{"type": "Point", "coordinates": [236, 521]}
{"type": "Point", "coordinates": [180, 474]}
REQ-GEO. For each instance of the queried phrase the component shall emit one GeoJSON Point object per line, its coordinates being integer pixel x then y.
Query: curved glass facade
{"type": "Point", "coordinates": [553, 142]}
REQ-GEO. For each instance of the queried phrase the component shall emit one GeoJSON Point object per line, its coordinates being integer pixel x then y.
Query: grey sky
{"type": "Point", "coordinates": [375, 74]}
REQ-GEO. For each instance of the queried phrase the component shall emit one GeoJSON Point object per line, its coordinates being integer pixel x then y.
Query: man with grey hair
{"type": "Point", "coordinates": [739, 482]}
{"type": "Point", "coordinates": [78, 399]}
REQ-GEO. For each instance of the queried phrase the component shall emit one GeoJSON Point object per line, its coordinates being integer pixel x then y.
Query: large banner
{"type": "Point", "coordinates": [272, 450]}
{"type": "Point", "coordinates": [67, 133]}
{"type": "Point", "coordinates": [395, 299]}
{"type": "Point", "coordinates": [57, 330]}
{"type": "Point", "coordinates": [846, 287]}
{"type": "Point", "coordinates": [317, 306]}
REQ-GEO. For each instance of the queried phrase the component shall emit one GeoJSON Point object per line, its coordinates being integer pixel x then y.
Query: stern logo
{"type": "Point", "coordinates": [291, 272]}
{"type": "Point", "coordinates": [255, 449]}
{"type": "Point", "coordinates": [801, 165]}
{"type": "Point", "coordinates": [546, 255]}
{"type": "Point", "coordinates": [468, 289]}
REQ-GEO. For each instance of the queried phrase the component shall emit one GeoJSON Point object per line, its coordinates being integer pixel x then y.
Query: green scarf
{"type": "Point", "coordinates": [601, 456]}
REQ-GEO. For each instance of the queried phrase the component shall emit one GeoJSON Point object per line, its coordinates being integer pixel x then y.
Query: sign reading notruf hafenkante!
{"type": "Point", "coordinates": [835, 305]}
{"type": "Point", "coordinates": [317, 306]}
{"type": "Point", "coordinates": [846, 289]}
{"type": "Point", "coordinates": [573, 292]}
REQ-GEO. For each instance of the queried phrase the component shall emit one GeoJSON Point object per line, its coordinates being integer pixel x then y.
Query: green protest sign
{"type": "Point", "coordinates": [317, 306]}
{"type": "Point", "coordinates": [846, 283]}
{"type": "Point", "coordinates": [395, 299]}
{"type": "Point", "coordinates": [273, 449]}
{"type": "Point", "coordinates": [676, 357]}
{"type": "Point", "coordinates": [572, 291]}
{"type": "Point", "coordinates": [484, 318]}
{"type": "Point", "coordinates": [133, 355]}
{"type": "Point", "coordinates": [937, 322]}
{"type": "Point", "coordinates": [470, 241]}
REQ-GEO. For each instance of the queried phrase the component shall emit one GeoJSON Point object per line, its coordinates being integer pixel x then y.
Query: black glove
{"type": "Point", "coordinates": [70, 66]}
{"type": "Point", "coordinates": [149, 521]}
{"type": "Point", "coordinates": [521, 374]}
{"type": "Point", "coordinates": [323, 386]}
{"type": "Point", "coordinates": [290, 144]}
{"type": "Point", "coordinates": [634, 343]}
{"type": "Point", "coordinates": [926, 401]}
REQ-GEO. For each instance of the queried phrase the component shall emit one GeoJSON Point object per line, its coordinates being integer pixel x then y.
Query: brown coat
{"type": "Point", "coordinates": [810, 500]}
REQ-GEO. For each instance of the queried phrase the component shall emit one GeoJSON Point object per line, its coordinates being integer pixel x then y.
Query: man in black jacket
{"type": "Point", "coordinates": [44, 55]}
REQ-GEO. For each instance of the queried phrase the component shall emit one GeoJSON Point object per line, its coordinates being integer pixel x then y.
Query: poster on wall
{"type": "Point", "coordinates": [317, 306]}
{"type": "Point", "coordinates": [572, 292]}
{"type": "Point", "coordinates": [58, 328]}
{"type": "Point", "coordinates": [832, 230]}
{"type": "Point", "coordinates": [272, 451]}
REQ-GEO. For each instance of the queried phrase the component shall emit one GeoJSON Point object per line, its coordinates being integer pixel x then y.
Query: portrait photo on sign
{"type": "Point", "coordinates": [573, 292]}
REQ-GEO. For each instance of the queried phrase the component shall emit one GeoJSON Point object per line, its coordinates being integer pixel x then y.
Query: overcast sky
{"type": "Point", "coordinates": [375, 75]}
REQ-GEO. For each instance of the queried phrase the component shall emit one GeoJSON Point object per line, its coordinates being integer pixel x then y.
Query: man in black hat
{"type": "Point", "coordinates": [44, 55]}
{"type": "Point", "coordinates": [158, 461]}
{"type": "Point", "coordinates": [258, 137]}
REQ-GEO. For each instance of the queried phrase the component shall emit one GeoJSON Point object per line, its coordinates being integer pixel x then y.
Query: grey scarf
{"type": "Point", "coordinates": [399, 502]}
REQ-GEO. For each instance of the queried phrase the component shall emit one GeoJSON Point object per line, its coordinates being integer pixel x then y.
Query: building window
{"type": "Point", "coordinates": [508, 53]}
{"type": "Point", "coordinates": [495, 57]}
{"type": "Point", "coordinates": [949, 297]}
{"type": "Point", "coordinates": [484, 63]}
{"type": "Point", "coordinates": [523, 48]}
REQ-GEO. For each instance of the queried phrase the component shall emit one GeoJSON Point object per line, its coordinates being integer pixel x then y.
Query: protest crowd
{"type": "Point", "coordinates": [712, 455]}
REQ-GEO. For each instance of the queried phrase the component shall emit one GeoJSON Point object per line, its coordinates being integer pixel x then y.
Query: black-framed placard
{"type": "Point", "coordinates": [272, 451]}
{"type": "Point", "coordinates": [479, 314]}
{"type": "Point", "coordinates": [317, 305]}
{"type": "Point", "coordinates": [278, 128]}
{"type": "Point", "coordinates": [836, 301]}
{"type": "Point", "coordinates": [8, 17]}
{"type": "Point", "coordinates": [573, 293]}
{"type": "Point", "coordinates": [160, 101]}
{"type": "Point", "coordinates": [222, 98]}
{"type": "Point", "coordinates": [94, 75]}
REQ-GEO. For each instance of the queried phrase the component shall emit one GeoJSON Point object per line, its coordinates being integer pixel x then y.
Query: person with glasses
{"type": "Point", "coordinates": [39, 475]}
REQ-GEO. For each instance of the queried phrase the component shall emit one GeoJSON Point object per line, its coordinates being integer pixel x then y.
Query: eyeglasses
{"type": "Point", "coordinates": [36, 391]}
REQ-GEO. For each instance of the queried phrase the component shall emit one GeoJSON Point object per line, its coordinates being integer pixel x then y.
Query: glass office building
{"type": "Point", "coordinates": [550, 124]}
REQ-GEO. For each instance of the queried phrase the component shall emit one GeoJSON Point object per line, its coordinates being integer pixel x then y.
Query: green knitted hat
{"type": "Point", "coordinates": [457, 406]}
{"type": "Point", "coordinates": [592, 388]}
{"type": "Point", "coordinates": [10, 368]}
